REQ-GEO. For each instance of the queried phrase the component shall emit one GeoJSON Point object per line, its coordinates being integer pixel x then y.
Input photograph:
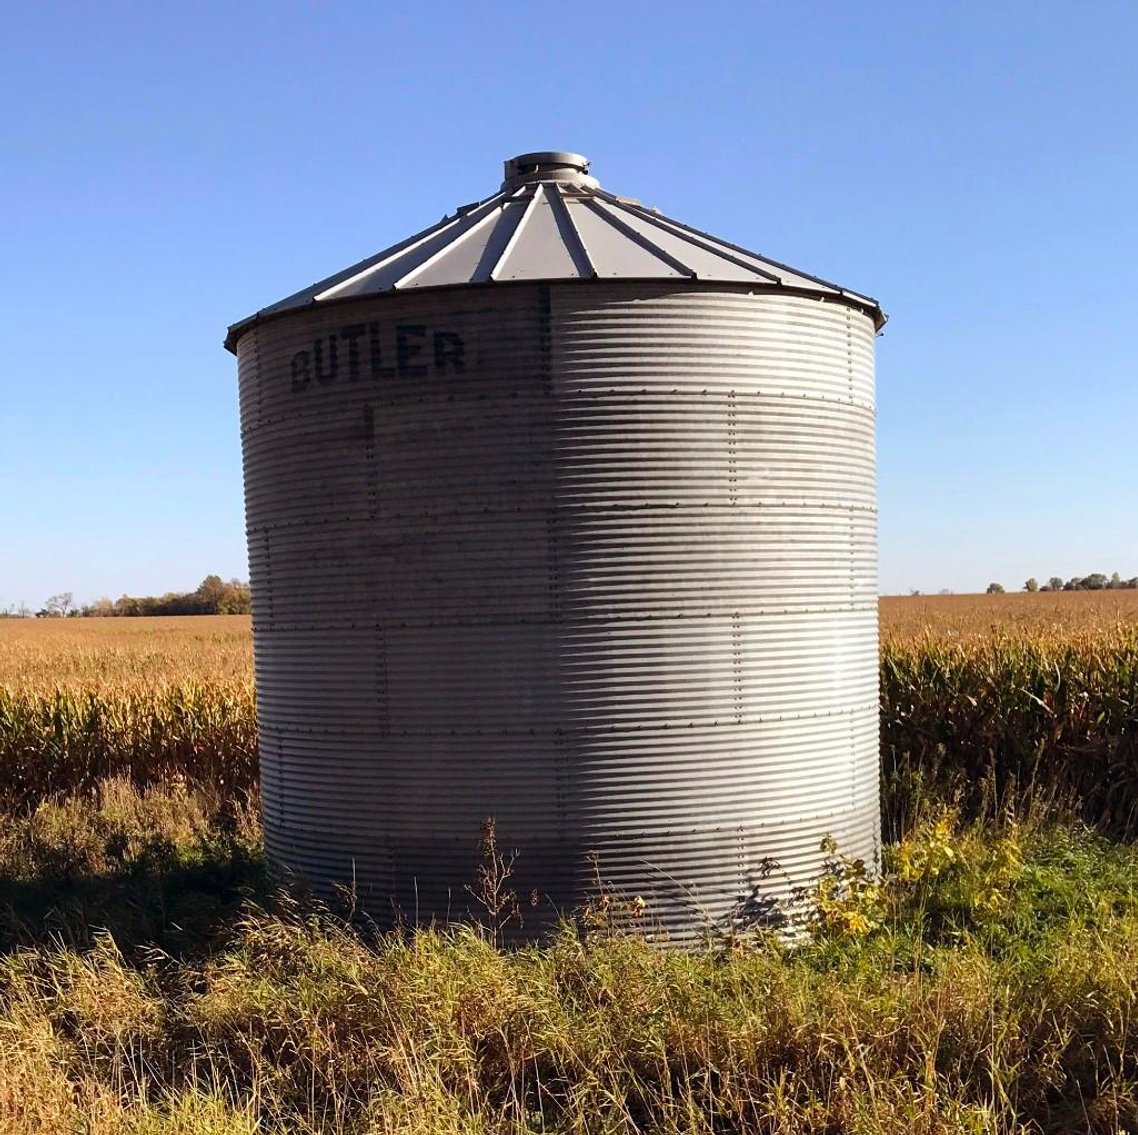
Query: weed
{"type": "Point", "coordinates": [492, 891]}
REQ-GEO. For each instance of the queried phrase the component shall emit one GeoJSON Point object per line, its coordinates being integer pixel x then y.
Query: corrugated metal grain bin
{"type": "Point", "coordinates": [563, 513]}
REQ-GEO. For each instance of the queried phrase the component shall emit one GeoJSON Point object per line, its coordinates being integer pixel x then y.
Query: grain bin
{"type": "Point", "coordinates": [563, 513]}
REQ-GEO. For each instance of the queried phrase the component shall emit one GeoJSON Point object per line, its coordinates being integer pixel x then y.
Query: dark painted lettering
{"type": "Point", "coordinates": [301, 375]}
{"type": "Point", "coordinates": [325, 377]}
{"type": "Point", "coordinates": [450, 351]}
{"type": "Point", "coordinates": [407, 349]}
{"type": "Point", "coordinates": [375, 354]}
{"type": "Point", "coordinates": [353, 335]}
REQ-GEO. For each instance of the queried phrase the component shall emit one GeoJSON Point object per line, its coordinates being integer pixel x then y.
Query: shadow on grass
{"type": "Point", "coordinates": [182, 901]}
{"type": "Point", "coordinates": [167, 867]}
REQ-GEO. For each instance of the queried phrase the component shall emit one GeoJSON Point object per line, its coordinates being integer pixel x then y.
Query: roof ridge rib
{"type": "Point", "coordinates": [516, 235]}
{"type": "Point", "coordinates": [468, 220]}
{"type": "Point", "coordinates": [512, 212]}
{"type": "Point", "coordinates": [446, 249]}
{"type": "Point", "coordinates": [656, 218]}
{"type": "Point", "coordinates": [707, 242]}
{"type": "Point", "coordinates": [574, 241]}
{"type": "Point", "coordinates": [640, 239]}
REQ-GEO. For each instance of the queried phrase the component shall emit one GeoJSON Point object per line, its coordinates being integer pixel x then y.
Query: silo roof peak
{"type": "Point", "coordinates": [551, 221]}
{"type": "Point", "coordinates": [548, 165]}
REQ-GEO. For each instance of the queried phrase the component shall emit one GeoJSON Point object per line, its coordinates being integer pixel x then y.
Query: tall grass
{"type": "Point", "coordinates": [986, 982]}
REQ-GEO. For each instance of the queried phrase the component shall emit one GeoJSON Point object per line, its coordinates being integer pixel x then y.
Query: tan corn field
{"type": "Point", "coordinates": [106, 653]}
{"type": "Point", "coordinates": [972, 617]}
{"type": "Point", "coordinates": [114, 654]}
{"type": "Point", "coordinates": [996, 700]}
{"type": "Point", "coordinates": [82, 700]}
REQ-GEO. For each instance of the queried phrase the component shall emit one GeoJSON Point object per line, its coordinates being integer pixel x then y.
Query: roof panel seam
{"type": "Point", "coordinates": [468, 219]}
{"type": "Point", "coordinates": [641, 240]}
{"type": "Point", "coordinates": [446, 249]}
{"type": "Point", "coordinates": [512, 243]}
{"type": "Point", "coordinates": [574, 241]}
{"type": "Point", "coordinates": [708, 244]}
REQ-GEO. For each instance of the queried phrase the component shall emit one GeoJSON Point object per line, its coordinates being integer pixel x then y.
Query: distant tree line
{"type": "Point", "coordinates": [213, 596]}
{"type": "Point", "coordinates": [1096, 581]}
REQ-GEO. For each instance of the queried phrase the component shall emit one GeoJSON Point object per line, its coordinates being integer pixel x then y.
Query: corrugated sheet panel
{"type": "Point", "coordinates": [599, 563]}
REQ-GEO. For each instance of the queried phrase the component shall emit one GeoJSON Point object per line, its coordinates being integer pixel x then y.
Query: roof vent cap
{"type": "Point", "coordinates": [548, 165]}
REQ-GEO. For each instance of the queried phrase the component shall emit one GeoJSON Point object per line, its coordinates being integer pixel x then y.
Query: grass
{"type": "Point", "coordinates": [153, 981]}
{"type": "Point", "coordinates": [984, 982]}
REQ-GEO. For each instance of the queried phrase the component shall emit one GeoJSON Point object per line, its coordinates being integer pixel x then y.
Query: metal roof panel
{"type": "Point", "coordinates": [542, 248]}
{"type": "Point", "coordinates": [619, 252]}
{"type": "Point", "coordinates": [552, 221]}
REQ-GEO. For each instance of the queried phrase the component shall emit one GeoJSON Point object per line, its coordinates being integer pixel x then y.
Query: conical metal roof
{"type": "Point", "coordinates": [552, 221]}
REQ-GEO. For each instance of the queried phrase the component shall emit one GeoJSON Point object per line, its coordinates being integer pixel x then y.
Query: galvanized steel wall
{"type": "Point", "coordinates": [597, 560]}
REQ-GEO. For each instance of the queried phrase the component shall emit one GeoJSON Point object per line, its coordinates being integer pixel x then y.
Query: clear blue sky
{"type": "Point", "coordinates": [168, 169]}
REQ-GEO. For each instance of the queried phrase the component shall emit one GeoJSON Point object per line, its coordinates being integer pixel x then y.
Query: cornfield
{"type": "Point", "coordinates": [1004, 703]}
{"type": "Point", "coordinates": [85, 700]}
{"type": "Point", "coordinates": [972, 618]}
{"type": "Point", "coordinates": [995, 702]}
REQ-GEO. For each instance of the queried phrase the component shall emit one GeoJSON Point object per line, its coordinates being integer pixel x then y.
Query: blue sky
{"type": "Point", "coordinates": [168, 169]}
